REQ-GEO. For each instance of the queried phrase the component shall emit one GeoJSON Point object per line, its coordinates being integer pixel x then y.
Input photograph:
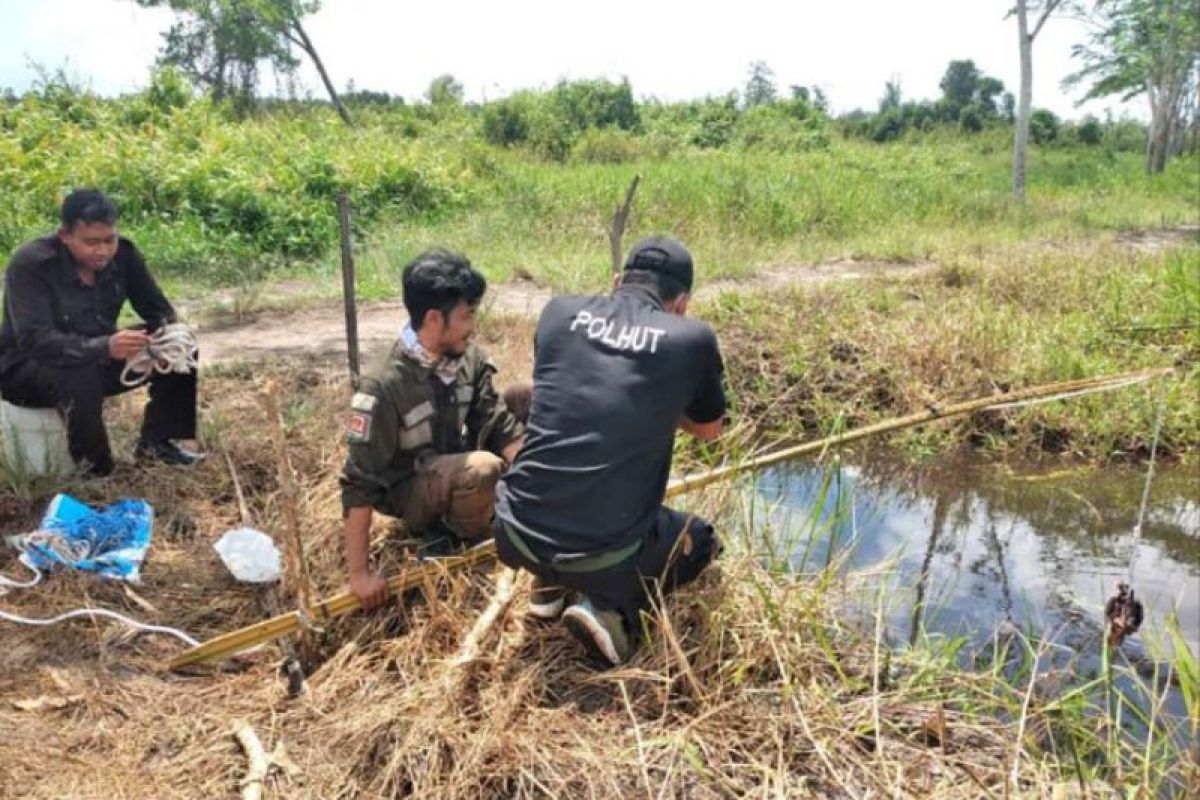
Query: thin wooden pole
{"type": "Point", "coordinates": [269, 596]}
{"type": "Point", "coordinates": [344, 603]}
{"type": "Point", "coordinates": [289, 501]}
{"type": "Point", "coordinates": [620, 218]}
{"type": "Point", "coordinates": [348, 290]}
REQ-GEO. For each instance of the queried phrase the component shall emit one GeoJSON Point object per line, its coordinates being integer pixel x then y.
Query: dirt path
{"type": "Point", "coordinates": [321, 332]}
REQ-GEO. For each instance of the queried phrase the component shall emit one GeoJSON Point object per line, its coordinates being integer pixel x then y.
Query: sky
{"type": "Point", "coordinates": [669, 49]}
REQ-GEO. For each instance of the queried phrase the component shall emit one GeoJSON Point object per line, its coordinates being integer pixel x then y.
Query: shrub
{"type": "Point", "coordinates": [1043, 126]}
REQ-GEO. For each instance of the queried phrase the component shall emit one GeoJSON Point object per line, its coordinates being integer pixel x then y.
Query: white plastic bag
{"type": "Point", "coordinates": [250, 555]}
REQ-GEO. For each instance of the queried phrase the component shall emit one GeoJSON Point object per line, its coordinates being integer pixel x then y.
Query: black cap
{"type": "Point", "coordinates": [663, 255]}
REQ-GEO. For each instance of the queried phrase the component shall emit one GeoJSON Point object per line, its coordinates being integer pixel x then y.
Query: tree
{"type": "Point", "coordinates": [1009, 105]}
{"type": "Point", "coordinates": [892, 95]}
{"type": "Point", "coordinates": [1089, 131]}
{"type": "Point", "coordinates": [444, 90]}
{"type": "Point", "coordinates": [219, 44]}
{"type": "Point", "coordinates": [1025, 37]}
{"type": "Point", "coordinates": [598, 103]}
{"type": "Point", "coordinates": [1149, 47]}
{"type": "Point", "coordinates": [958, 85]}
{"type": "Point", "coordinates": [1043, 126]}
{"type": "Point", "coordinates": [963, 85]}
{"type": "Point", "coordinates": [760, 86]}
{"type": "Point", "coordinates": [820, 100]}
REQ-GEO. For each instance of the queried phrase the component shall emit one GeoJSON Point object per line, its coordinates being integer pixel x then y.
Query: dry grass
{"type": "Point", "coordinates": [751, 684]}
{"type": "Point", "coordinates": [858, 353]}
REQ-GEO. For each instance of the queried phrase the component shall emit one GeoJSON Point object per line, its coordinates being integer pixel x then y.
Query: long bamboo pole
{"type": "Point", "coordinates": [415, 576]}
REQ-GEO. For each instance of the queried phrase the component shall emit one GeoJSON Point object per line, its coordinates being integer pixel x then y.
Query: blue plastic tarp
{"type": "Point", "coordinates": [111, 541]}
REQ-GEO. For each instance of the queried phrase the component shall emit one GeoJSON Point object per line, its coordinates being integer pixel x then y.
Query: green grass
{"type": "Point", "coordinates": [741, 211]}
{"type": "Point", "coordinates": [860, 352]}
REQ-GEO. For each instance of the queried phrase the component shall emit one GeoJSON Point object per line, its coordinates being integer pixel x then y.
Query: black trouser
{"type": "Point", "coordinates": [666, 558]}
{"type": "Point", "coordinates": [79, 391]}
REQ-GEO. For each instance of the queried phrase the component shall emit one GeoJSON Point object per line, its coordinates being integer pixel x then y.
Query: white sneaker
{"type": "Point", "coordinates": [601, 632]}
{"type": "Point", "coordinates": [546, 601]}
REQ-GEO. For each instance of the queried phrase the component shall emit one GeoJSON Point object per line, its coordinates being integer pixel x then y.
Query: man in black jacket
{"type": "Point", "coordinates": [59, 344]}
{"type": "Point", "coordinates": [581, 508]}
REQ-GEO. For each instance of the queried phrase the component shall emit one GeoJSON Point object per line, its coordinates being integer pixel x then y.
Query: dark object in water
{"type": "Point", "coordinates": [1123, 612]}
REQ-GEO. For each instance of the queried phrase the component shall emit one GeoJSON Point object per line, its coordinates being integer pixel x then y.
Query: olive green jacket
{"type": "Point", "coordinates": [403, 410]}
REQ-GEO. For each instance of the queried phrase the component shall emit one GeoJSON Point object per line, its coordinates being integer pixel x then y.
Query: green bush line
{"type": "Point", "coordinates": [220, 200]}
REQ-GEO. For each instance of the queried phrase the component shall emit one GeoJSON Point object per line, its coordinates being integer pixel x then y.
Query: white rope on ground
{"type": "Point", "coordinates": [73, 551]}
{"type": "Point", "coordinates": [171, 349]}
{"type": "Point", "coordinates": [7, 584]}
{"type": "Point", "coordinates": [105, 613]}
{"type": "Point", "coordinates": [1107, 387]}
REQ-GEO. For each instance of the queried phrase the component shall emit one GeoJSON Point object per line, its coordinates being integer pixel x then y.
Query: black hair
{"type": "Point", "coordinates": [667, 287]}
{"type": "Point", "coordinates": [440, 279]}
{"type": "Point", "coordinates": [87, 206]}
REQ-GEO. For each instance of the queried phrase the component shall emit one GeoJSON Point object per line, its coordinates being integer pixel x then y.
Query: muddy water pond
{"type": "Point", "coordinates": [972, 549]}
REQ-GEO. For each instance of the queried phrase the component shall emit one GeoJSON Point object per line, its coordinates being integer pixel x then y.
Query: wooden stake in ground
{"type": "Point", "coordinates": [348, 290]}
{"type": "Point", "coordinates": [298, 578]}
{"type": "Point", "coordinates": [620, 218]}
{"type": "Point", "coordinates": [269, 597]}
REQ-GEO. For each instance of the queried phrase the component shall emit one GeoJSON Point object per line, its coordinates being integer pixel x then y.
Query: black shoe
{"type": "Point", "coordinates": [438, 541]}
{"type": "Point", "coordinates": [167, 452]}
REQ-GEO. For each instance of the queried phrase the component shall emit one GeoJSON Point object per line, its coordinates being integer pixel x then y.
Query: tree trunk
{"type": "Point", "coordinates": [1024, 104]}
{"type": "Point", "coordinates": [307, 45]}
{"type": "Point", "coordinates": [1160, 132]}
{"type": "Point", "coordinates": [1166, 87]}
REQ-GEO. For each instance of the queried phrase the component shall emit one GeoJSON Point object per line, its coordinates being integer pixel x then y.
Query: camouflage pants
{"type": "Point", "coordinates": [459, 489]}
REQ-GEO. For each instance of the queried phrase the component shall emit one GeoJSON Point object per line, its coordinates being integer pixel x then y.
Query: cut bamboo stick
{"type": "Point", "coordinates": [326, 609]}
{"type": "Point", "coordinates": [338, 605]}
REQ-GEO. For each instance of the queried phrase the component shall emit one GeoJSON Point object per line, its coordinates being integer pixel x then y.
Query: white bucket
{"type": "Point", "coordinates": [34, 440]}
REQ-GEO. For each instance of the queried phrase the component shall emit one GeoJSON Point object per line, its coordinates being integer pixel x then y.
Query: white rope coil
{"type": "Point", "coordinates": [56, 543]}
{"type": "Point", "coordinates": [172, 348]}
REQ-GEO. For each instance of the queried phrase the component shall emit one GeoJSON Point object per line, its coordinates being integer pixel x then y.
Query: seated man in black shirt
{"type": "Point", "coordinates": [614, 377]}
{"type": "Point", "coordinates": [59, 344]}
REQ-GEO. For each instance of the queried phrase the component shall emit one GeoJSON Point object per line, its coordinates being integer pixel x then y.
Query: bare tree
{"type": "Point", "coordinates": [1149, 47]}
{"type": "Point", "coordinates": [294, 31]}
{"type": "Point", "coordinates": [219, 44]}
{"type": "Point", "coordinates": [1025, 96]}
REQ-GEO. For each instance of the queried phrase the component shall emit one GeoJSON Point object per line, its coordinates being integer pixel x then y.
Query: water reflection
{"type": "Point", "coordinates": [976, 548]}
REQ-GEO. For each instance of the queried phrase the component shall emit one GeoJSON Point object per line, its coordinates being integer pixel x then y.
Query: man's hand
{"type": "Point", "coordinates": [124, 345]}
{"type": "Point", "coordinates": [509, 453]}
{"type": "Point", "coordinates": [370, 589]}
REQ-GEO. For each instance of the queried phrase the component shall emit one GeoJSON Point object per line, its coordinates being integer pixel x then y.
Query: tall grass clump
{"type": "Point", "coordinates": [866, 352]}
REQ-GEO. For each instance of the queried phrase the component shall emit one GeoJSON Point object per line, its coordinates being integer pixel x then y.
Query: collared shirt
{"type": "Point", "coordinates": [52, 316]}
{"type": "Point", "coordinates": [612, 377]}
{"type": "Point", "coordinates": [403, 411]}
